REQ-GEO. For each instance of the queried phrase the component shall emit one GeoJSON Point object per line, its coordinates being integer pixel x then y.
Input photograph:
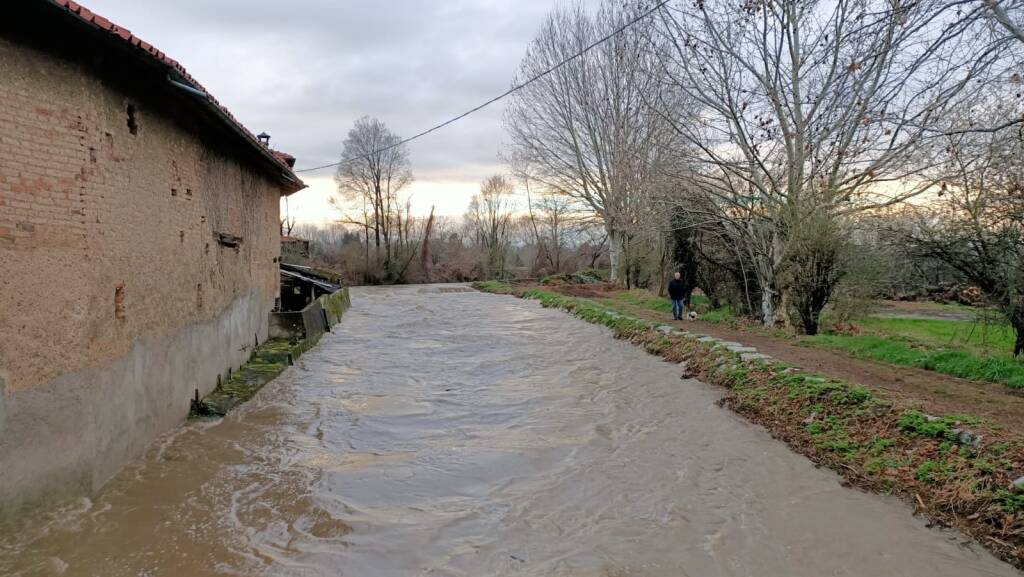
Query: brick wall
{"type": "Point", "coordinates": [109, 209]}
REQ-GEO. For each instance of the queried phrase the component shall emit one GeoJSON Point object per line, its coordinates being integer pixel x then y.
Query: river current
{"type": "Point", "coordinates": [443, 432]}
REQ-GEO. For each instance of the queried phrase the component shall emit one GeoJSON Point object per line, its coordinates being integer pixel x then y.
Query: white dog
{"type": "Point", "coordinates": [692, 315]}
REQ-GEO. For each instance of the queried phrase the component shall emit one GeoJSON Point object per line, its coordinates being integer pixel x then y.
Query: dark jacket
{"type": "Point", "coordinates": [676, 290]}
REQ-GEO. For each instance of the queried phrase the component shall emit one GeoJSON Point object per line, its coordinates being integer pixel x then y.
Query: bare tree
{"type": "Point", "coordinates": [380, 169]}
{"type": "Point", "coordinates": [976, 223]}
{"type": "Point", "coordinates": [814, 109]}
{"type": "Point", "coordinates": [357, 212]}
{"type": "Point", "coordinates": [1007, 14]}
{"type": "Point", "coordinates": [489, 219]}
{"type": "Point", "coordinates": [584, 129]}
{"type": "Point", "coordinates": [554, 219]}
{"type": "Point", "coordinates": [287, 225]}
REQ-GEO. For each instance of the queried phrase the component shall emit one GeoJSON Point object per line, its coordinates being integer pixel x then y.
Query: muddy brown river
{"type": "Point", "coordinates": [464, 434]}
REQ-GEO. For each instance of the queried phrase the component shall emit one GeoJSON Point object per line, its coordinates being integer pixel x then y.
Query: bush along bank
{"type": "Point", "coordinates": [957, 470]}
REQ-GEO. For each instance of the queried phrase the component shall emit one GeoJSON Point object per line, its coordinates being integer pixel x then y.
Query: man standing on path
{"type": "Point", "coordinates": [677, 292]}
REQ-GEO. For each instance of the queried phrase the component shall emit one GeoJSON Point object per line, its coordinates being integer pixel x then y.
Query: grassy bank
{"type": "Point", "coordinates": [956, 469]}
{"type": "Point", "coordinates": [960, 348]}
{"type": "Point", "coordinates": [899, 350]}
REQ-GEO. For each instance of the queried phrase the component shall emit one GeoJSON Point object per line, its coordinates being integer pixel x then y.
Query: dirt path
{"type": "Point", "coordinates": [936, 393]}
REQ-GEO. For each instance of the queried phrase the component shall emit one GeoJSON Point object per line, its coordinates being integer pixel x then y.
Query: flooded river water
{"type": "Point", "coordinates": [464, 434]}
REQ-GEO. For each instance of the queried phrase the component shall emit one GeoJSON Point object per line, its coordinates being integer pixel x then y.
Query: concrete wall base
{"type": "Point", "coordinates": [317, 318]}
{"type": "Point", "coordinates": [66, 438]}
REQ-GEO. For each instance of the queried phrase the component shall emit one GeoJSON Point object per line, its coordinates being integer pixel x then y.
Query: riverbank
{"type": "Point", "coordinates": [935, 392]}
{"type": "Point", "coordinates": [959, 470]}
{"type": "Point", "coordinates": [950, 340]}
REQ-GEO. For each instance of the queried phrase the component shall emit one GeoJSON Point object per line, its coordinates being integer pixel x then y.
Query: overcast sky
{"type": "Point", "coordinates": [304, 70]}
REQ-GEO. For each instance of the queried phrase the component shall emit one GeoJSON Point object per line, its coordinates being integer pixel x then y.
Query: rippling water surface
{"type": "Point", "coordinates": [458, 433]}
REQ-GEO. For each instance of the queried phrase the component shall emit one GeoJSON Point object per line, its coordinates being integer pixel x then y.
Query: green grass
{"type": "Point", "coordinates": [965, 349]}
{"type": "Point", "coordinates": [948, 361]}
{"type": "Point", "coordinates": [721, 315]}
{"type": "Point", "coordinates": [918, 423]}
{"type": "Point", "coordinates": [492, 286]}
{"type": "Point", "coordinates": [993, 339]}
{"type": "Point", "coordinates": [1011, 502]}
{"type": "Point", "coordinates": [697, 300]}
{"type": "Point", "coordinates": [962, 348]}
{"type": "Point", "coordinates": [586, 309]}
{"type": "Point", "coordinates": [652, 302]}
{"type": "Point", "coordinates": [643, 298]}
{"type": "Point", "coordinates": [931, 472]}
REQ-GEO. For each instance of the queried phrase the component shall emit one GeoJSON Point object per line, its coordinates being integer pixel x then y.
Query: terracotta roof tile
{"type": "Point", "coordinates": [124, 34]}
{"type": "Point", "coordinates": [283, 157]}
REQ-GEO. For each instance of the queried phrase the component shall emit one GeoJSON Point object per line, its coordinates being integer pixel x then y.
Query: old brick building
{"type": "Point", "coordinates": [139, 242]}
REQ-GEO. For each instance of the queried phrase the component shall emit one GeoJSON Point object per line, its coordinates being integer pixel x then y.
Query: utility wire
{"type": "Point", "coordinates": [512, 90]}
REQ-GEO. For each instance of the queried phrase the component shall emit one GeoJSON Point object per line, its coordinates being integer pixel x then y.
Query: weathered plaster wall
{"type": "Point", "coordinates": [68, 436]}
{"type": "Point", "coordinates": [116, 301]}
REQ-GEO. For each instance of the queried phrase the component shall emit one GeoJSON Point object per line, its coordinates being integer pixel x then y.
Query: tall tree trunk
{"type": "Point", "coordinates": [378, 213]}
{"type": "Point", "coordinates": [765, 267]}
{"type": "Point", "coordinates": [376, 234]}
{"type": "Point", "coordinates": [425, 259]}
{"type": "Point", "coordinates": [556, 244]}
{"type": "Point", "coordinates": [366, 243]}
{"type": "Point", "coordinates": [768, 306]}
{"type": "Point", "coordinates": [1018, 326]}
{"type": "Point", "coordinates": [614, 254]}
{"type": "Point", "coordinates": [808, 319]}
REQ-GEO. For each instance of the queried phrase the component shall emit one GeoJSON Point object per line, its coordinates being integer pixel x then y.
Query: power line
{"type": "Point", "coordinates": [515, 88]}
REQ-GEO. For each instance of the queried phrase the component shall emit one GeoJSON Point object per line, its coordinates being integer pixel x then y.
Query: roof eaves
{"type": "Point", "coordinates": [178, 73]}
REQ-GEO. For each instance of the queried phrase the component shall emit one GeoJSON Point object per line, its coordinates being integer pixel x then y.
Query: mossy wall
{"type": "Point", "coordinates": [336, 304]}
{"type": "Point", "coordinates": [317, 318]}
{"type": "Point", "coordinates": [292, 333]}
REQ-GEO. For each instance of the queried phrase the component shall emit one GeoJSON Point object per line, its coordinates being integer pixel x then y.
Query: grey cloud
{"type": "Point", "coordinates": [303, 71]}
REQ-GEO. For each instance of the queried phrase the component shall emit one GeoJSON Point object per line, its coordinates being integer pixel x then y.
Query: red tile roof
{"type": "Point", "coordinates": [284, 157]}
{"type": "Point", "coordinates": [147, 50]}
